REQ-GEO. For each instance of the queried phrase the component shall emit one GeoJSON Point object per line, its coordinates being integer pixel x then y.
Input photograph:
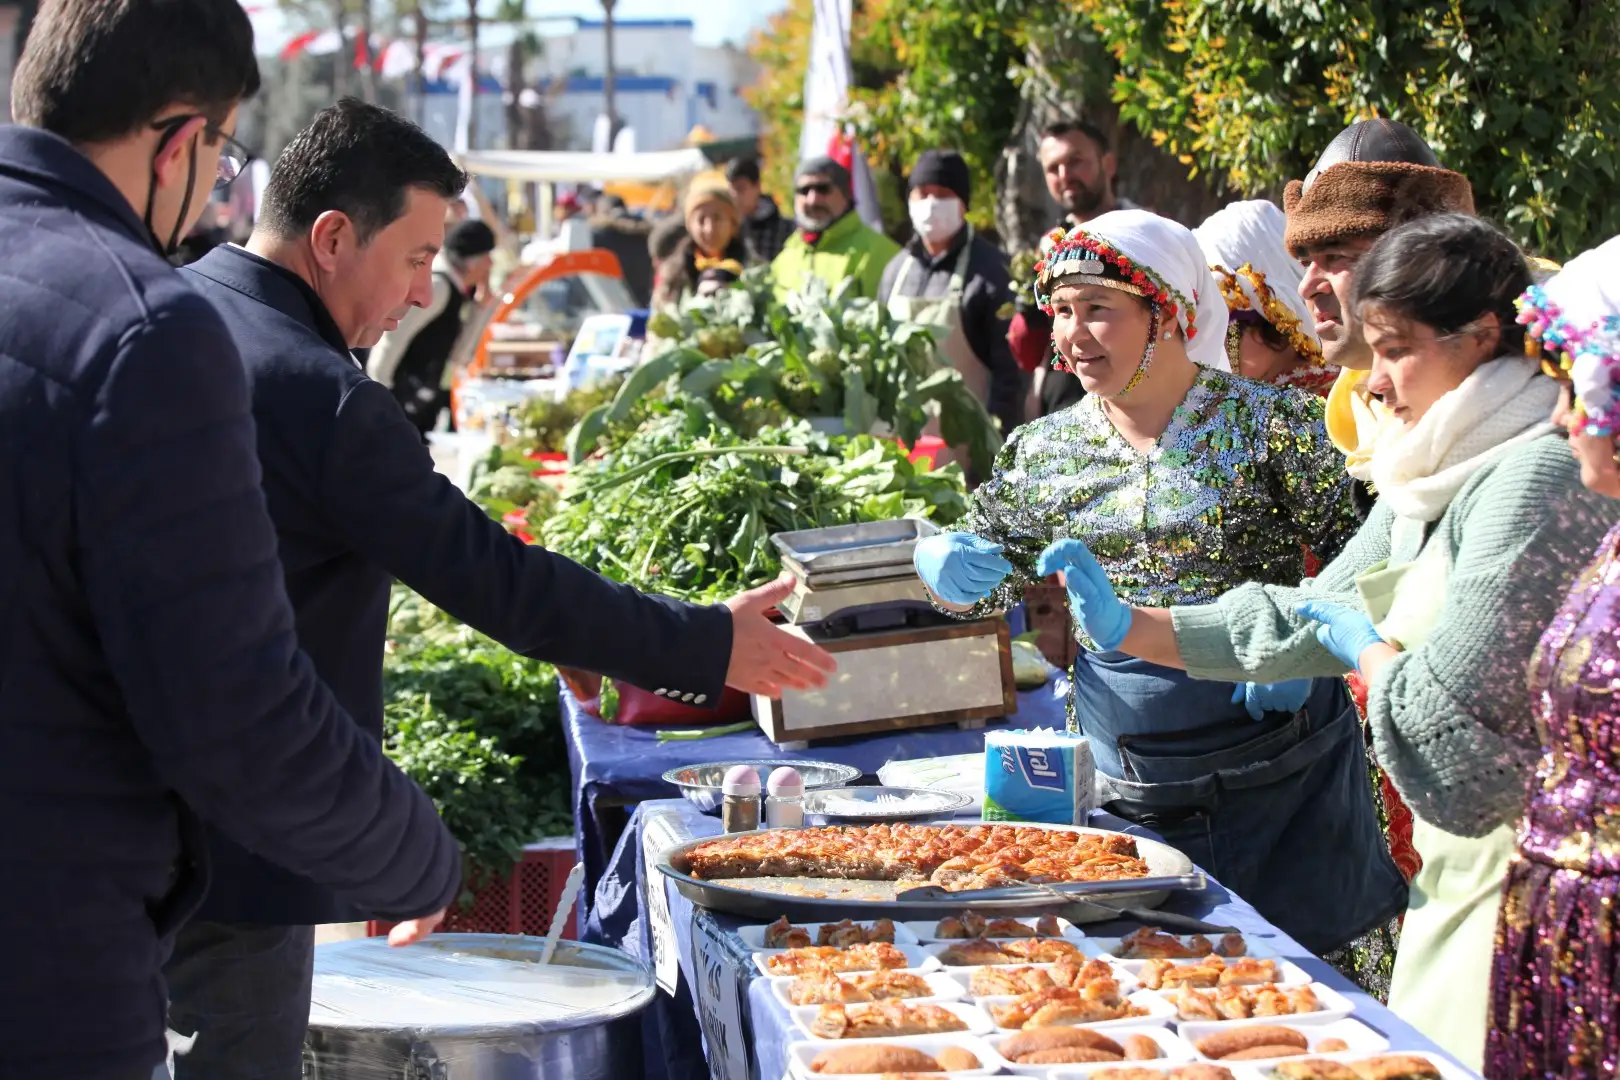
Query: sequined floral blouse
{"type": "Point", "coordinates": [1574, 813]}
{"type": "Point", "coordinates": [1242, 478]}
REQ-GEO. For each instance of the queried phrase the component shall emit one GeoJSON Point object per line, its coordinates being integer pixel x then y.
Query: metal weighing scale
{"type": "Point", "coordinates": [902, 663]}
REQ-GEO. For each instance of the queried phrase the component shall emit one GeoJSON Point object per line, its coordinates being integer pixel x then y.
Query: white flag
{"type": "Point", "coordinates": [826, 96]}
{"type": "Point", "coordinates": [465, 99]}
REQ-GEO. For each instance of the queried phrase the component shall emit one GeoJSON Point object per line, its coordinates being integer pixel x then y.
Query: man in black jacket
{"type": "Point", "coordinates": [149, 670]}
{"type": "Point", "coordinates": [351, 219]}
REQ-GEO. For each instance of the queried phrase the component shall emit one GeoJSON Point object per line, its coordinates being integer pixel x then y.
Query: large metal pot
{"type": "Point", "coordinates": [473, 1007]}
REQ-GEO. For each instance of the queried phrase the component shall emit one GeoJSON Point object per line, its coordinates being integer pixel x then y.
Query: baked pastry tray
{"type": "Point", "coordinates": [829, 899]}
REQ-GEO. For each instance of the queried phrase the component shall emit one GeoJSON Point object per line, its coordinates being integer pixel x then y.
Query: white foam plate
{"type": "Point", "coordinates": [1109, 946]}
{"type": "Point", "coordinates": [964, 975]}
{"type": "Point", "coordinates": [1160, 1068]}
{"type": "Point", "coordinates": [976, 1019]}
{"type": "Point", "coordinates": [1288, 972]}
{"type": "Point", "coordinates": [1335, 1006]}
{"type": "Point", "coordinates": [801, 1054]}
{"type": "Point", "coordinates": [916, 959]}
{"type": "Point", "coordinates": [754, 936]}
{"type": "Point", "coordinates": [924, 930]}
{"type": "Point", "coordinates": [1175, 1050]}
{"type": "Point", "coordinates": [935, 948]}
{"type": "Point", "coordinates": [1159, 1012]}
{"type": "Point", "coordinates": [1361, 1039]}
{"type": "Point", "coordinates": [945, 987]}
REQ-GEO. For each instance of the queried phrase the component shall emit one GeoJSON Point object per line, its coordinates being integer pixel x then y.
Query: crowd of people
{"type": "Point", "coordinates": [1329, 484]}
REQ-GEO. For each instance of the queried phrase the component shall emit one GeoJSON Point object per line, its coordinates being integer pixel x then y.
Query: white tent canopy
{"type": "Point", "coordinates": [578, 167]}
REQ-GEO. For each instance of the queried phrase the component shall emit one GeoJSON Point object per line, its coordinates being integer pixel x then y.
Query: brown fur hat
{"type": "Point", "coordinates": [1367, 199]}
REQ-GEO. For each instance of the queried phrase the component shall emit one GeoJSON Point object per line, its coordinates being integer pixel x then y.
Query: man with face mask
{"type": "Point", "coordinates": [832, 242]}
{"type": "Point", "coordinates": [952, 278]}
{"type": "Point", "coordinates": [150, 674]}
{"type": "Point", "coordinates": [1079, 168]}
{"type": "Point", "coordinates": [343, 250]}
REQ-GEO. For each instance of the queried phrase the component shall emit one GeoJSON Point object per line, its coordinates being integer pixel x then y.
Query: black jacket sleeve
{"type": "Point", "coordinates": [384, 498]}
{"type": "Point", "coordinates": [178, 555]}
{"type": "Point", "coordinates": [988, 291]}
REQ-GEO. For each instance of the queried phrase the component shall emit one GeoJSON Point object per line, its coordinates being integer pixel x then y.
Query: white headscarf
{"type": "Point", "coordinates": [1169, 250]}
{"type": "Point", "coordinates": [1576, 317]}
{"type": "Point", "coordinates": [1250, 234]}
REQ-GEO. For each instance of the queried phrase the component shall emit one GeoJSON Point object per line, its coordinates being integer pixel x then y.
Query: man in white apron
{"type": "Point", "coordinates": [951, 278]}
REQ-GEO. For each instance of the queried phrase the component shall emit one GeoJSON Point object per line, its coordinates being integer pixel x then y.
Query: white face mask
{"type": "Point", "coordinates": [936, 220]}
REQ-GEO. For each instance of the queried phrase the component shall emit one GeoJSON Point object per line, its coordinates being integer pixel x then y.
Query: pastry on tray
{"type": "Point", "coordinates": [1098, 1001]}
{"type": "Point", "coordinates": [850, 932]}
{"type": "Point", "coordinates": [823, 987]}
{"type": "Point", "coordinates": [1253, 1043]}
{"type": "Point", "coordinates": [1012, 981]}
{"type": "Point", "coordinates": [1395, 1067]}
{"type": "Point", "coordinates": [1180, 1072]}
{"type": "Point", "coordinates": [1149, 943]}
{"type": "Point", "coordinates": [1243, 1002]}
{"type": "Point", "coordinates": [1041, 950]}
{"type": "Point", "coordinates": [886, 1058]}
{"type": "Point", "coordinates": [1313, 1069]}
{"type": "Point", "coordinates": [874, 957]}
{"type": "Point", "coordinates": [884, 1020]}
{"type": "Point", "coordinates": [956, 857]}
{"type": "Point", "coordinates": [975, 953]}
{"type": "Point", "coordinates": [782, 934]}
{"type": "Point", "coordinates": [1209, 972]}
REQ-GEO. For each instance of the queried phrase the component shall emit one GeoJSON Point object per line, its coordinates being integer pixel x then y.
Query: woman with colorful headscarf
{"type": "Point", "coordinates": [1270, 337]}
{"type": "Point", "coordinates": [1555, 1009]}
{"type": "Point", "coordinates": [1185, 480]}
{"type": "Point", "coordinates": [713, 241]}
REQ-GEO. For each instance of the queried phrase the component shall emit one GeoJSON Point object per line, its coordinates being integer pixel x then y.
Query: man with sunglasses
{"type": "Point", "coordinates": [832, 242]}
{"type": "Point", "coordinates": [150, 675]}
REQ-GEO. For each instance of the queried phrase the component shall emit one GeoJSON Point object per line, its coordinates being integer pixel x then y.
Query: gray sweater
{"type": "Point", "coordinates": [1451, 718]}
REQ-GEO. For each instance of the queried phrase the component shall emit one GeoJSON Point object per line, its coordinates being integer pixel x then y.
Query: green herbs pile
{"type": "Point", "coordinates": [687, 509]}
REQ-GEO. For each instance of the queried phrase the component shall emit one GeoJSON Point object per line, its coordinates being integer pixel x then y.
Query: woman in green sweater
{"type": "Point", "coordinates": [1437, 600]}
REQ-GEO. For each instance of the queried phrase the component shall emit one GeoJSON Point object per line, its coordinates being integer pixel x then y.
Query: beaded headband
{"type": "Point", "coordinates": [1272, 309]}
{"type": "Point", "coordinates": [1587, 356]}
{"type": "Point", "coordinates": [1077, 257]}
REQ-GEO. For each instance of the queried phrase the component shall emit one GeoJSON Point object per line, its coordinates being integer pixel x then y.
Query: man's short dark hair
{"type": "Point", "coordinates": [360, 159]}
{"type": "Point", "coordinates": [744, 168]}
{"type": "Point", "coordinates": [97, 70]}
{"type": "Point", "coordinates": [1062, 129]}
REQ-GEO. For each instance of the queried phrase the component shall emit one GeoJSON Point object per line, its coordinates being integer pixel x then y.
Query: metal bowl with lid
{"type": "Point", "coordinates": [701, 783]}
{"type": "Point", "coordinates": [471, 1007]}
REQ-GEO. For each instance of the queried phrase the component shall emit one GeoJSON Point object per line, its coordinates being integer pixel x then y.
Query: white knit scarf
{"type": "Point", "coordinates": [1503, 404]}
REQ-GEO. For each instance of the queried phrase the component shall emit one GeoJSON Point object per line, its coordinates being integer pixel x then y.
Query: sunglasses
{"type": "Point", "coordinates": [818, 188]}
{"type": "Point", "coordinates": [233, 156]}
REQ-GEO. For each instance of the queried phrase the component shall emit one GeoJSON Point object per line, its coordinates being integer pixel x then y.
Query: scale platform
{"type": "Point", "coordinates": [857, 578]}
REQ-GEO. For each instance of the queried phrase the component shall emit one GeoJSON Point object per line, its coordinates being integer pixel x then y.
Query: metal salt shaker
{"type": "Point", "coordinates": [739, 799]}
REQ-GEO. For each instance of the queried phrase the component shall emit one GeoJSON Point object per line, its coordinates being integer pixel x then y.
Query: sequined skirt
{"type": "Point", "coordinates": [1555, 985]}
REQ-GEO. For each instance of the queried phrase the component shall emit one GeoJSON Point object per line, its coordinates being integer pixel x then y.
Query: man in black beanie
{"type": "Point", "coordinates": [832, 243]}
{"type": "Point", "coordinates": [411, 359]}
{"type": "Point", "coordinates": [952, 278]}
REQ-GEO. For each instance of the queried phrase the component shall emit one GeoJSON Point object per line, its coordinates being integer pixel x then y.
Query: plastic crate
{"type": "Point", "coordinates": [518, 903]}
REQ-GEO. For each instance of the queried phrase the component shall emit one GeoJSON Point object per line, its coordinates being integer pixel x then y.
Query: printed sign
{"type": "Point", "coordinates": [658, 833]}
{"type": "Point", "coordinates": [719, 994]}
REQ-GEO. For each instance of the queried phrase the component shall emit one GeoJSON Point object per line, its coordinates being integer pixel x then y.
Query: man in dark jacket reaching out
{"type": "Point", "coordinates": [150, 674]}
{"type": "Point", "coordinates": [350, 222]}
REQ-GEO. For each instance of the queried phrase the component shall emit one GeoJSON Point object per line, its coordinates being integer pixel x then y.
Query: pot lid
{"type": "Point", "coordinates": [470, 984]}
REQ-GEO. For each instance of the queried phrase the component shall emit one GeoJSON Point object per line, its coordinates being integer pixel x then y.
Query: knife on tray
{"type": "Point", "coordinates": [1068, 891]}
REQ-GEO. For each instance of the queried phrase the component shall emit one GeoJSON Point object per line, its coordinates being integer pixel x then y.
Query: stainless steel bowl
{"type": "Point", "coordinates": [701, 783]}
{"type": "Point", "coordinates": [864, 805]}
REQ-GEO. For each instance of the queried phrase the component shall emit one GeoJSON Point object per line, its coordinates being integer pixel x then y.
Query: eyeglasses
{"type": "Point", "coordinates": [819, 188]}
{"type": "Point", "coordinates": [233, 156]}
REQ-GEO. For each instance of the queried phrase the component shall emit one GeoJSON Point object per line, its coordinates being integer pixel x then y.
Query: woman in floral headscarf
{"type": "Point", "coordinates": [1185, 480]}
{"type": "Point", "coordinates": [1270, 337]}
{"type": "Point", "coordinates": [1555, 1009]}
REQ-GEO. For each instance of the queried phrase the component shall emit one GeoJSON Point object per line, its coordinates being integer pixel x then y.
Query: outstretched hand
{"type": "Point", "coordinates": [766, 659]}
{"type": "Point", "coordinates": [411, 931]}
{"type": "Point", "coordinates": [1343, 631]}
{"type": "Point", "coordinates": [1105, 618]}
{"type": "Point", "coordinates": [960, 568]}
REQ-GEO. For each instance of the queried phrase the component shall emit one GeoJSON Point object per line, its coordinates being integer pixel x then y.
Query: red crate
{"type": "Point", "coordinates": [518, 903]}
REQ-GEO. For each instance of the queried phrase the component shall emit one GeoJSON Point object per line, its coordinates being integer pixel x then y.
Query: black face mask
{"type": "Point", "coordinates": [169, 250]}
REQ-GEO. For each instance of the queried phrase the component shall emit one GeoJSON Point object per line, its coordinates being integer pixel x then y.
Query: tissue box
{"type": "Point", "coordinates": [1041, 775]}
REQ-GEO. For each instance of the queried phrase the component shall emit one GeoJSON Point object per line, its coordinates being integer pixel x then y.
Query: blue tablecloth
{"type": "Point", "coordinates": [622, 766]}
{"type": "Point", "coordinates": [673, 1041]}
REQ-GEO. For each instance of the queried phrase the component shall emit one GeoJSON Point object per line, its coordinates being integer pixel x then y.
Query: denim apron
{"type": "Point", "coordinates": [1280, 811]}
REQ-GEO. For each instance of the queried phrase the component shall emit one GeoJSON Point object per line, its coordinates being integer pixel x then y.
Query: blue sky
{"type": "Point", "coordinates": [715, 20]}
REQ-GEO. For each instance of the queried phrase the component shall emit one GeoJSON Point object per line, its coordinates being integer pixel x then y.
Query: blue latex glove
{"type": "Point", "coordinates": [1261, 698]}
{"type": "Point", "coordinates": [958, 567]}
{"type": "Point", "coordinates": [1104, 616]}
{"type": "Point", "coordinates": [1344, 632]}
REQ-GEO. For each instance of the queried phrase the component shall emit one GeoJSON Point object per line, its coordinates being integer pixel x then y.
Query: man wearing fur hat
{"type": "Point", "coordinates": [1375, 175]}
{"type": "Point", "coordinates": [832, 243]}
{"type": "Point", "coordinates": [952, 278]}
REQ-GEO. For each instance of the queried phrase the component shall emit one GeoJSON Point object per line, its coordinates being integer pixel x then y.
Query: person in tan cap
{"type": "Point", "coordinates": [713, 238]}
{"type": "Point", "coordinates": [1374, 175]}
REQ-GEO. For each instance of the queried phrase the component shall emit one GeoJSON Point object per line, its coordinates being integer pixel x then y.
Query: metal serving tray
{"type": "Point", "coordinates": [849, 547]}
{"type": "Point", "coordinates": [828, 899]}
